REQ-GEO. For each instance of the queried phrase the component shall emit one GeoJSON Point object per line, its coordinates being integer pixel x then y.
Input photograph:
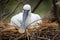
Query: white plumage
{"type": "Point", "coordinates": [17, 19]}
{"type": "Point", "coordinates": [31, 17]}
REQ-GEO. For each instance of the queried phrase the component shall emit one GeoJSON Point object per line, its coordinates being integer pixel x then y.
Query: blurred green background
{"type": "Point", "coordinates": [13, 7]}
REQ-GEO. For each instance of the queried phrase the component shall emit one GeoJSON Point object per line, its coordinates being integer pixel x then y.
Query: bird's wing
{"type": "Point", "coordinates": [15, 21]}
{"type": "Point", "coordinates": [38, 18]}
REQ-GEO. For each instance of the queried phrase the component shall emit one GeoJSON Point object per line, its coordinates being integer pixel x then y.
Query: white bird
{"type": "Point", "coordinates": [24, 18]}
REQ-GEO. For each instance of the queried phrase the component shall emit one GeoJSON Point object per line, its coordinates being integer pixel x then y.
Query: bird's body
{"type": "Point", "coordinates": [17, 19]}
{"type": "Point", "coordinates": [24, 18]}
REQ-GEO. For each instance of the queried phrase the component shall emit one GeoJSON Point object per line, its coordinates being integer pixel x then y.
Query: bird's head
{"type": "Point", "coordinates": [27, 7]}
{"type": "Point", "coordinates": [26, 11]}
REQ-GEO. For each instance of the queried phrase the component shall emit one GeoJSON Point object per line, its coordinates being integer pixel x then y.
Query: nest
{"type": "Point", "coordinates": [38, 31]}
{"type": "Point", "coordinates": [8, 32]}
{"type": "Point", "coordinates": [44, 31]}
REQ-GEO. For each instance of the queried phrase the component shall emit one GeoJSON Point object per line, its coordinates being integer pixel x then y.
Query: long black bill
{"type": "Point", "coordinates": [25, 14]}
